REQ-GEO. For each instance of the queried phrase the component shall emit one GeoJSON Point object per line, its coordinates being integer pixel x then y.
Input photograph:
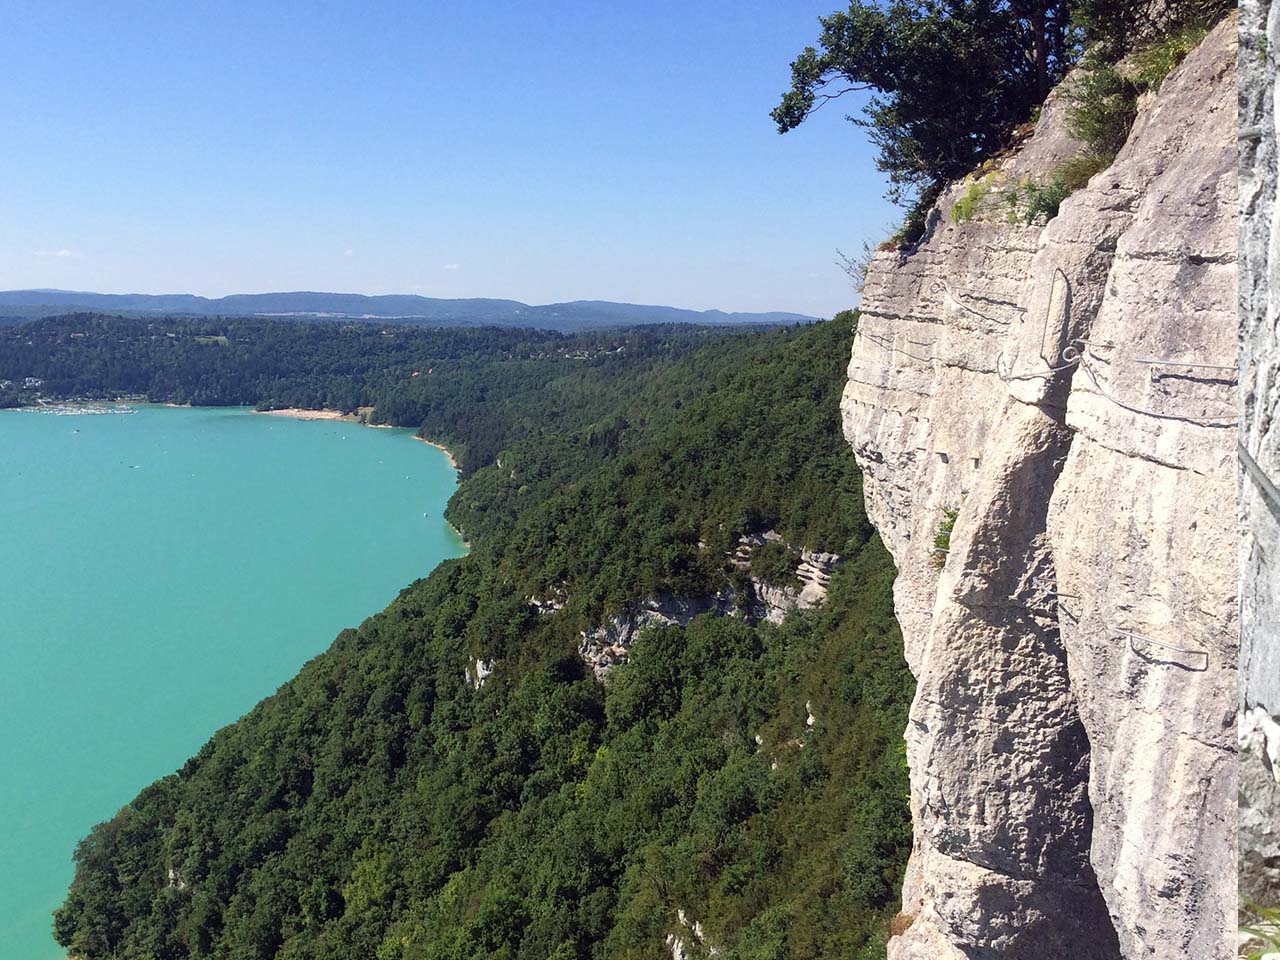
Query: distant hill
{"type": "Point", "coordinates": [574, 315]}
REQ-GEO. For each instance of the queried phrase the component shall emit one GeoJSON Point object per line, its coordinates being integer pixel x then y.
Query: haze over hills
{"type": "Point", "coordinates": [405, 308]}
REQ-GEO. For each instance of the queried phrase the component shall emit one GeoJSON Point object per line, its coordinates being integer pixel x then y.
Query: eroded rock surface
{"type": "Point", "coordinates": [1259, 795]}
{"type": "Point", "coordinates": [609, 644]}
{"type": "Point", "coordinates": [1072, 738]}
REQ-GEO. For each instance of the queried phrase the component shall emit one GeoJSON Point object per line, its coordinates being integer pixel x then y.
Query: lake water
{"type": "Point", "coordinates": [160, 573]}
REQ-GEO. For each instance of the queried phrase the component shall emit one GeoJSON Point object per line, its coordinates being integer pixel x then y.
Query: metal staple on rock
{"type": "Point", "coordinates": [1130, 635]}
{"type": "Point", "coordinates": [1057, 596]}
{"type": "Point", "coordinates": [1157, 362]}
{"type": "Point", "coordinates": [1185, 651]}
{"type": "Point", "coordinates": [940, 286]}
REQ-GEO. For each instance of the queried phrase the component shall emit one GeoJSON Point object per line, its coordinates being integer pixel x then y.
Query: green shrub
{"type": "Point", "coordinates": [1103, 106]}
{"type": "Point", "coordinates": [775, 564]}
{"type": "Point", "coordinates": [942, 539]}
{"type": "Point", "coordinates": [1156, 60]}
{"type": "Point", "coordinates": [966, 207]}
{"type": "Point", "coordinates": [1041, 200]}
{"type": "Point", "coordinates": [1103, 101]}
{"type": "Point", "coordinates": [1262, 933]}
{"type": "Point", "coordinates": [1113, 27]}
{"type": "Point", "coordinates": [1080, 169]}
{"type": "Point", "coordinates": [1033, 201]}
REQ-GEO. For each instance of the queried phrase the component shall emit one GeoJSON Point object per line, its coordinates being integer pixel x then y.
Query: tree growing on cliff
{"type": "Point", "coordinates": [947, 80]}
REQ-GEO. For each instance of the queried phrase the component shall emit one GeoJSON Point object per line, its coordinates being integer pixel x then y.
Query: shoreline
{"type": "Point", "coordinates": [292, 413]}
{"type": "Point", "coordinates": [301, 413]}
{"type": "Point", "coordinates": [458, 533]}
{"type": "Point", "coordinates": [453, 461]}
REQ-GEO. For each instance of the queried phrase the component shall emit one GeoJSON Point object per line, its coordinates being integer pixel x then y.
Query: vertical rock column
{"type": "Point", "coordinates": [1259, 736]}
{"type": "Point", "coordinates": [1142, 520]}
{"type": "Point", "coordinates": [1070, 393]}
{"type": "Point", "coordinates": [998, 757]}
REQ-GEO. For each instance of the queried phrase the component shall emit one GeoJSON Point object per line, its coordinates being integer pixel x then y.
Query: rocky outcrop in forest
{"type": "Point", "coordinates": [755, 599]}
{"type": "Point", "coordinates": [1066, 392]}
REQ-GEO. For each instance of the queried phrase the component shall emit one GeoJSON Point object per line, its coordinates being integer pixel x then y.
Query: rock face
{"type": "Point", "coordinates": [609, 644]}
{"type": "Point", "coordinates": [1259, 795]}
{"type": "Point", "coordinates": [1072, 738]}
{"type": "Point", "coordinates": [771, 602]}
{"type": "Point", "coordinates": [477, 672]}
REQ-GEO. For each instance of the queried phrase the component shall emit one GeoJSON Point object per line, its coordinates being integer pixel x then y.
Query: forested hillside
{"type": "Point", "coordinates": [476, 389]}
{"type": "Point", "coordinates": [737, 786]}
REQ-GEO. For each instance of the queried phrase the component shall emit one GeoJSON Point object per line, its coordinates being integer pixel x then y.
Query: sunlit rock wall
{"type": "Point", "coordinates": [1072, 737]}
{"type": "Point", "coordinates": [1259, 796]}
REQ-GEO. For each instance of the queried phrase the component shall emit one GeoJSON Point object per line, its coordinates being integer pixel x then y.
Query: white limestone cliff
{"type": "Point", "coordinates": [1259, 739]}
{"type": "Point", "coordinates": [1072, 738]}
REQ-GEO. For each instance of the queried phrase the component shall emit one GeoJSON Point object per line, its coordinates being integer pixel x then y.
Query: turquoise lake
{"type": "Point", "coordinates": [160, 573]}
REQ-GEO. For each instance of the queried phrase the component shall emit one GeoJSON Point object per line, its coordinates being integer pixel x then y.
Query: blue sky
{"type": "Point", "coordinates": [541, 151]}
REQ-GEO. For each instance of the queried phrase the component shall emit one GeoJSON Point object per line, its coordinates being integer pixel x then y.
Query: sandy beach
{"type": "Point", "coordinates": [297, 413]}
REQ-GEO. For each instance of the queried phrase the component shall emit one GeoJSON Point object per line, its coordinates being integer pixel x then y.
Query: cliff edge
{"type": "Point", "coordinates": [1066, 391]}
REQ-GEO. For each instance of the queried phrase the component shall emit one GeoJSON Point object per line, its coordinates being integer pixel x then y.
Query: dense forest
{"type": "Point", "coordinates": [740, 786]}
{"type": "Point", "coordinates": [477, 389]}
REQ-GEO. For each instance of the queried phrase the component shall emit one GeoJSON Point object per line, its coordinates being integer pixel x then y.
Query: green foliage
{"type": "Point", "coordinates": [1035, 201]}
{"type": "Point", "coordinates": [775, 563]}
{"type": "Point", "coordinates": [1156, 60]}
{"type": "Point", "coordinates": [477, 390]}
{"type": "Point", "coordinates": [966, 206]}
{"type": "Point", "coordinates": [1080, 169]}
{"type": "Point", "coordinates": [942, 539]}
{"type": "Point", "coordinates": [948, 82]}
{"type": "Point", "coordinates": [1103, 100]}
{"type": "Point", "coordinates": [1041, 200]}
{"type": "Point", "coordinates": [1113, 28]}
{"type": "Point", "coordinates": [378, 806]}
{"type": "Point", "coordinates": [1261, 935]}
{"type": "Point", "coordinates": [1103, 106]}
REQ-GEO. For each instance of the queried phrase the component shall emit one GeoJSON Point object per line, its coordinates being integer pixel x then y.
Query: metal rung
{"type": "Point", "coordinates": [1056, 595]}
{"type": "Point", "coordinates": [941, 286]}
{"type": "Point", "coordinates": [1185, 651]}
{"type": "Point", "coordinates": [1155, 362]}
